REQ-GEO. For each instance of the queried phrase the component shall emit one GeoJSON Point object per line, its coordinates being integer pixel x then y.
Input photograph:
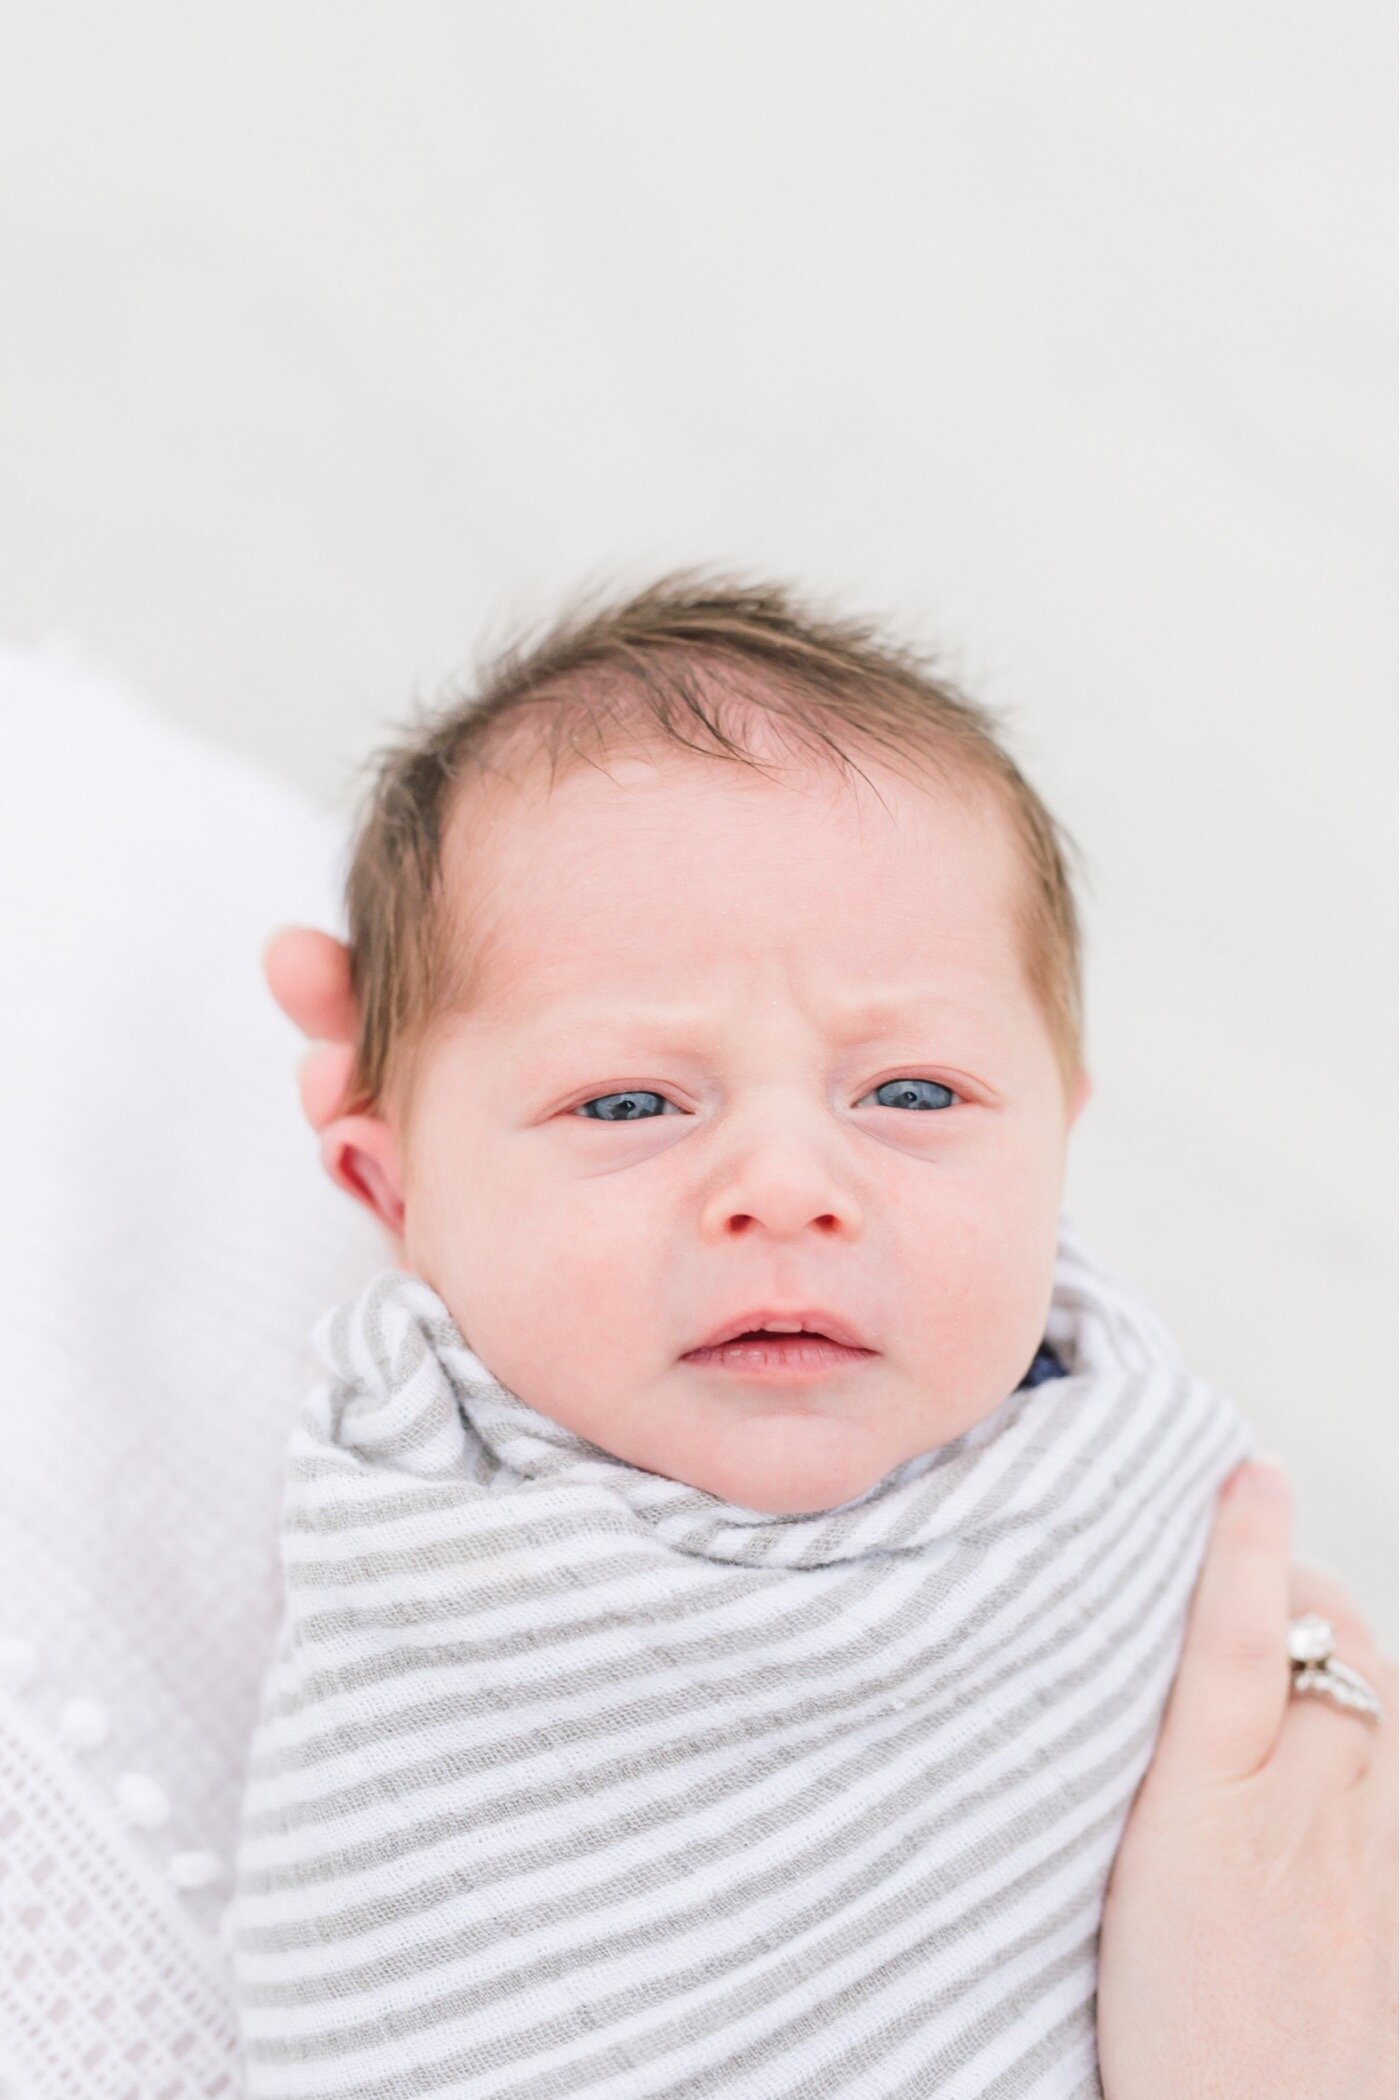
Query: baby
{"type": "Point", "coordinates": [735, 1566]}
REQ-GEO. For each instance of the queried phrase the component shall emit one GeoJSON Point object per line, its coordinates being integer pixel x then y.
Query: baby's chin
{"type": "Point", "coordinates": [787, 1464]}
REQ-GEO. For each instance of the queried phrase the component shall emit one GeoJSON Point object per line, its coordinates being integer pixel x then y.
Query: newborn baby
{"type": "Point", "coordinates": [736, 1564]}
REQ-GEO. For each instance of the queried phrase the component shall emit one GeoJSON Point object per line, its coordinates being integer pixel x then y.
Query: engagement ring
{"type": "Point", "coordinates": [1317, 1671]}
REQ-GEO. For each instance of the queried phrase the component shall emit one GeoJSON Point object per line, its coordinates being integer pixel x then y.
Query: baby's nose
{"type": "Point", "coordinates": [785, 1182]}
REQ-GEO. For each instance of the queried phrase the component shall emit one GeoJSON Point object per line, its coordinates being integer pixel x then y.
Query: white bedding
{"type": "Point", "coordinates": [166, 1242]}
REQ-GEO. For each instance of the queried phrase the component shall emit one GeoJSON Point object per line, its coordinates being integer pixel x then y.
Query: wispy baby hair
{"type": "Point", "coordinates": [683, 663]}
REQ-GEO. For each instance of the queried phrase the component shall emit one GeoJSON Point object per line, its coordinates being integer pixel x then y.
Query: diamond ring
{"type": "Point", "coordinates": [1316, 1669]}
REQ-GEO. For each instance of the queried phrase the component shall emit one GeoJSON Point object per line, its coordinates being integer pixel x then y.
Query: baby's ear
{"type": "Point", "coordinates": [1079, 1094]}
{"type": "Point", "coordinates": [361, 1155]}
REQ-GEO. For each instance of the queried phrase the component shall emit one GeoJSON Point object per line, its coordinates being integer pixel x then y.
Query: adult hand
{"type": "Point", "coordinates": [308, 974]}
{"type": "Point", "coordinates": [1248, 1949]}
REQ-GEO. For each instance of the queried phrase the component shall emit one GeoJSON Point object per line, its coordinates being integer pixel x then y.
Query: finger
{"type": "Point", "coordinates": [1228, 1699]}
{"type": "Point", "coordinates": [1382, 1775]}
{"type": "Point", "coordinates": [1324, 1747]}
{"type": "Point", "coordinates": [323, 1080]}
{"type": "Point", "coordinates": [308, 974]}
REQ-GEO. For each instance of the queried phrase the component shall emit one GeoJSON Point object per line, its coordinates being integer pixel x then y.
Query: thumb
{"type": "Point", "coordinates": [323, 1080]}
{"type": "Point", "coordinates": [308, 974]}
{"type": "Point", "coordinates": [1227, 1703]}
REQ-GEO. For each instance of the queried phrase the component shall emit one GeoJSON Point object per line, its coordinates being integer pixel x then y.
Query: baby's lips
{"type": "Point", "coordinates": [809, 1319]}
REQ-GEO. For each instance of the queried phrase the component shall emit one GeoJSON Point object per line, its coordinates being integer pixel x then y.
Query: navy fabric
{"type": "Point", "coordinates": [1046, 1365]}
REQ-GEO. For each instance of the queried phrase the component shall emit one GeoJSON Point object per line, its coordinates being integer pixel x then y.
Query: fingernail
{"type": "Point", "coordinates": [1266, 1472]}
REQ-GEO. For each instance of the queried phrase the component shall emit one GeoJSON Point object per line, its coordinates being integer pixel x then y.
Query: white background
{"type": "Point", "coordinates": [336, 338]}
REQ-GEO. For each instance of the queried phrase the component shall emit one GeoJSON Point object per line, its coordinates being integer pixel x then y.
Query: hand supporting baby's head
{"type": "Point", "coordinates": [717, 968]}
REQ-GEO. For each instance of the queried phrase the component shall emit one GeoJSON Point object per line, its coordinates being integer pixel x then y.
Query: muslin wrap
{"type": "Point", "coordinates": [573, 1780]}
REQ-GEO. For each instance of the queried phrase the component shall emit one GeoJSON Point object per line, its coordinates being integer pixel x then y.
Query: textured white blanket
{"type": "Point", "coordinates": [573, 1780]}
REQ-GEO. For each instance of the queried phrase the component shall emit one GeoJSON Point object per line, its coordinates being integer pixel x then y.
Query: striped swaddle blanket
{"type": "Point", "coordinates": [571, 1780]}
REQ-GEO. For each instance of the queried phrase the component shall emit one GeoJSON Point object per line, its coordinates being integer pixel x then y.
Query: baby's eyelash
{"type": "Point", "coordinates": [907, 1081]}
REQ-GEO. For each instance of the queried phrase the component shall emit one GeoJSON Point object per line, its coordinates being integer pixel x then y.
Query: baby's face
{"type": "Point", "coordinates": [673, 1105]}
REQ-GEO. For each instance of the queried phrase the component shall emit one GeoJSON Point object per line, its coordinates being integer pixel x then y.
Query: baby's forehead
{"type": "Point", "coordinates": [541, 829]}
{"type": "Point", "coordinates": [714, 861]}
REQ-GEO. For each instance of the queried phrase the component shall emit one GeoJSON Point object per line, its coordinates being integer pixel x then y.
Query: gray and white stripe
{"type": "Point", "coordinates": [571, 1780]}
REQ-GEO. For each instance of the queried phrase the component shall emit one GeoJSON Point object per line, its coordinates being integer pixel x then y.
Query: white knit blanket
{"type": "Point", "coordinates": [573, 1780]}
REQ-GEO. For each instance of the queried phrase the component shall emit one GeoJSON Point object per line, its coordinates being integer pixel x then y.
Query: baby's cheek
{"type": "Point", "coordinates": [613, 1314]}
{"type": "Point", "coordinates": [983, 1292]}
{"type": "Point", "coordinates": [560, 1299]}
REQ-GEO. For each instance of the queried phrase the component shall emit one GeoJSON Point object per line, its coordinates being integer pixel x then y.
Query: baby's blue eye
{"type": "Point", "coordinates": [935, 1095]}
{"type": "Point", "coordinates": [627, 1110]}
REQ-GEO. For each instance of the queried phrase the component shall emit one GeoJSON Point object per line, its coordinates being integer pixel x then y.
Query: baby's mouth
{"type": "Point", "coordinates": [758, 1351]}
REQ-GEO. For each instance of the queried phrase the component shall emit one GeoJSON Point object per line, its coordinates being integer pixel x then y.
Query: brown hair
{"type": "Point", "coordinates": [659, 667]}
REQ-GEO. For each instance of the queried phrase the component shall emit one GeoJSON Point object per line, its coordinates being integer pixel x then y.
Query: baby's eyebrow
{"type": "Point", "coordinates": [637, 1018]}
{"type": "Point", "coordinates": [559, 1035]}
{"type": "Point", "coordinates": [886, 1008]}
{"type": "Point", "coordinates": [667, 1024]}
